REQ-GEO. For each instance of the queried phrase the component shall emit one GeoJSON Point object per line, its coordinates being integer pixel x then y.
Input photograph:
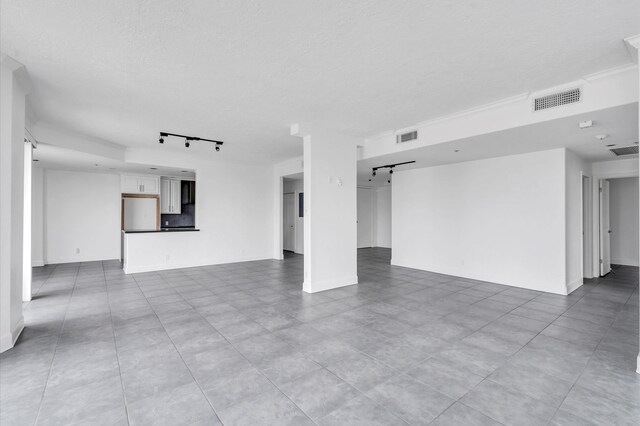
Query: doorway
{"type": "Point", "coordinates": [365, 219]}
{"type": "Point", "coordinates": [618, 223]}
{"type": "Point", "coordinates": [605, 229]}
{"type": "Point", "coordinates": [288, 225]}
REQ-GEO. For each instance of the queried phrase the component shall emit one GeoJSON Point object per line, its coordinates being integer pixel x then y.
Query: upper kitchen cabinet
{"type": "Point", "coordinates": [170, 196]}
{"type": "Point", "coordinates": [140, 184]}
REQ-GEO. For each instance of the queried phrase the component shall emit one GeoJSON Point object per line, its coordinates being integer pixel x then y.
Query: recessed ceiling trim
{"type": "Point", "coordinates": [626, 150]}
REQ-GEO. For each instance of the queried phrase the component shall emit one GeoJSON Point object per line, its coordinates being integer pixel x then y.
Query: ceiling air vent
{"type": "Point", "coordinates": [557, 99]}
{"type": "Point", "coordinates": [627, 150]}
{"type": "Point", "coordinates": [407, 137]}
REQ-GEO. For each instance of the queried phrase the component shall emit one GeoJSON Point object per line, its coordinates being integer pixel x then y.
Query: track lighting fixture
{"type": "Point", "coordinates": [189, 139]}
{"type": "Point", "coordinates": [387, 166]}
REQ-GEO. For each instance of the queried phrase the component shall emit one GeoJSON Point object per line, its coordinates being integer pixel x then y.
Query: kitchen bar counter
{"type": "Point", "coordinates": [163, 230]}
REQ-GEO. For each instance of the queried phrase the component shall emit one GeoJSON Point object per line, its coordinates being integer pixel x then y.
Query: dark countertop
{"type": "Point", "coordinates": [163, 230]}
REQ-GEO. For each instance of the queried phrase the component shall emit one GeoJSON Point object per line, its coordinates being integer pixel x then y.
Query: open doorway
{"type": "Point", "coordinates": [374, 223]}
{"type": "Point", "coordinates": [618, 223]}
{"type": "Point", "coordinates": [293, 215]}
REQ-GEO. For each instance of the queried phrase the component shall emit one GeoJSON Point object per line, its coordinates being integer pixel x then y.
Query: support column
{"type": "Point", "coordinates": [14, 86]}
{"type": "Point", "coordinates": [633, 44]}
{"type": "Point", "coordinates": [330, 216]}
{"type": "Point", "coordinates": [26, 223]}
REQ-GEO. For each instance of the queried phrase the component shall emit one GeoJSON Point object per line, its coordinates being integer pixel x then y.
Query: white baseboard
{"type": "Point", "coordinates": [190, 264]}
{"type": "Point", "coordinates": [318, 286]}
{"type": "Point", "coordinates": [80, 260]}
{"type": "Point", "coordinates": [572, 286]}
{"type": "Point", "coordinates": [8, 340]}
{"type": "Point", "coordinates": [625, 261]}
{"type": "Point", "coordinates": [36, 263]}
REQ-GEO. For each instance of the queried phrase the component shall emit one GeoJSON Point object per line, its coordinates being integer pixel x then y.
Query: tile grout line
{"type": "Point", "coordinates": [55, 350]}
{"type": "Point", "coordinates": [240, 353]}
{"type": "Point", "coordinates": [175, 347]}
{"type": "Point", "coordinates": [591, 356]}
{"type": "Point", "coordinates": [115, 345]}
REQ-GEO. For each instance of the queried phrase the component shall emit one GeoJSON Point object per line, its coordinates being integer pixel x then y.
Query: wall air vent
{"type": "Point", "coordinates": [557, 99]}
{"type": "Point", "coordinates": [627, 150]}
{"type": "Point", "coordinates": [407, 137]}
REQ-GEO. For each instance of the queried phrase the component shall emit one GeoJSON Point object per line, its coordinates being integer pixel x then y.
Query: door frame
{"type": "Point", "coordinates": [587, 229]}
{"type": "Point", "coordinates": [293, 217]}
{"type": "Point", "coordinates": [602, 232]}
{"type": "Point", "coordinates": [595, 224]}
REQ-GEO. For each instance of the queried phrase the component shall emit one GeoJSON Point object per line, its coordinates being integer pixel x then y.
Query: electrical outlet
{"type": "Point", "coordinates": [166, 223]}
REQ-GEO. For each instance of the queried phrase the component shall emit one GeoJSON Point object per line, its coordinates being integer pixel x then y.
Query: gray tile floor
{"type": "Point", "coordinates": [242, 344]}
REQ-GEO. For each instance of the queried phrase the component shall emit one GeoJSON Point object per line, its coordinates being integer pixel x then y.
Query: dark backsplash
{"type": "Point", "coordinates": [186, 218]}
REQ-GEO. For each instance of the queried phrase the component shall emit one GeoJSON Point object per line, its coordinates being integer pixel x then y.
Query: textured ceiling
{"type": "Point", "coordinates": [242, 71]}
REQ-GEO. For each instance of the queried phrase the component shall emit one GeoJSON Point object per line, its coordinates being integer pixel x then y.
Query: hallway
{"type": "Point", "coordinates": [242, 344]}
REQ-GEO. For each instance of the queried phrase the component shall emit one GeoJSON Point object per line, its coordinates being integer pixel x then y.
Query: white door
{"type": "Point", "coordinates": [365, 217]}
{"type": "Point", "coordinates": [149, 185]}
{"type": "Point", "coordinates": [176, 198]}
{"type": "Point", "coordinates": [131, 185]}
{"type": "Point", "coordinates": [165, 196]}
{"type": "Point", "coordinates": [605, 231]}
{"type": "Point", "coordinates": [288, 215]}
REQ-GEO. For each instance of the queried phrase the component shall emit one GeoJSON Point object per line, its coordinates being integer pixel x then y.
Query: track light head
{"type": "Point", "coordinates": [217, 148]}
{"type": "Point", "coordinates": [161, 140]}
{"type": "Point", "coordinates": [186, 143]}
{"type": "Point", "coordinates": [374, 173]}
{"type": "Point", "coordinates": [389, 181]}
{"type": "Point", "coordinates": [390, 171]}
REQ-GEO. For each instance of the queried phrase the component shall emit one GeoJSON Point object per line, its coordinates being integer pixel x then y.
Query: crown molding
{"type": "Point", "coordinates": [19, 71]}
{"type": "Point", "coordinates": [633, 45]}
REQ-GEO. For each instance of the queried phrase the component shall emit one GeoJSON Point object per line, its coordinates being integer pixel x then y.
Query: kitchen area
{"type": "Point", "coordinates": [155, 204]}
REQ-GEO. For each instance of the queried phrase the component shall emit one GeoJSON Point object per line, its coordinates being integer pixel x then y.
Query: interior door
{"type": "Point", "coordinates": [165, 196]}
{"type": "Point", "coordinates": [605, 229]}
{"type": "Point", "coordinates": [365, 217]}
{"type": "Point", "coordinates": [288, 215]}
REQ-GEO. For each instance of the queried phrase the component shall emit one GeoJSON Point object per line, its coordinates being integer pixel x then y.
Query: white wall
{"type": "Point", "coordinates": [624, 221]}
{"type": "Point", "coordinates": [14, 86]}
{"type": "Point", "coordinates": [37, 217]}
{"type": "Point", "coordinates": [297, 187]}
{"type": "Point", "coordinates": [383, 216]}
{"type": "Point", "coordinates": [575, 168]}
{"type": "Point", "coordinates": [366, 217]}
{"type": "Point", "coordinates": [500, 220]}
{"type": "Point", "coordinates": [234, 212]}
{"type": "Point", "coordinates": [330, 228]}
{"type": "Point", "coordinates": [83, 212]}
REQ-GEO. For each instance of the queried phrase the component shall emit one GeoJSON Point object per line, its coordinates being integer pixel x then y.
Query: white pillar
{"type": "Point", "coordinates": [26, 225]}
{"type": "Point", "coordinates": [14, 85]}
{"type": "Point", "coordinates": [330, 227]}
{"type": "Point", "coordinates": [633, 44]}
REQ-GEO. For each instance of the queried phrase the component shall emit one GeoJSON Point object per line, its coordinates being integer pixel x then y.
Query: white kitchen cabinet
{"type": "Point", "coordinates": [170, 197]}
{"type": "Point", "coordinates": [139, 184]}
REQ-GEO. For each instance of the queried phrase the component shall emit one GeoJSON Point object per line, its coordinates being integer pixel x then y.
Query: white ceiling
{"type": "Point", "coordinates": [620, 124]}
{"type": "Point", "coordinates": [54, 157]}
{"type": "Point", "coordinates": [242, 71]}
